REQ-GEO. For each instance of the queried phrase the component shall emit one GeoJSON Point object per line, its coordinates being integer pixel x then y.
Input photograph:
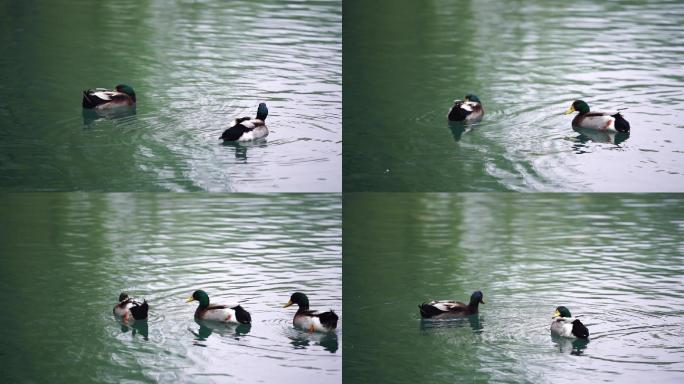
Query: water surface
{"type": "Point", "coordinates": [614, 260]}
{"type": "Point", "coordinates": [405, 64]}
{"type": "Point", "coordinates": [66, 257]}
{"type": "Point", "coordinates": [195, 66]}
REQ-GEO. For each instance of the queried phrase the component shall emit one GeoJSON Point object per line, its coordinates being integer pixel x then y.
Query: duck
{"type": "Point", "coordinates": [562, 324]}
{"type": "Point", "coordinates": [611, 121]}
{"type": "Point", "coordinates": [445, 309]}
{"type": "Point", "coordinates": [246, 128]}
{"type": "Point", "coordinates": [311, 320]}
{"type": "Point", "coordinates": [217, 312]}
{"type": "Point", "coordinates": [129, 307]}
{"type": "Point", "coordinates": [101, 98]}
{"type": "Point", "coordinates": [469, 109]}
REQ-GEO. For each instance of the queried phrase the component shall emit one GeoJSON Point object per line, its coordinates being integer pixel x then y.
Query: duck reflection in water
{"type": "Point", "coordinates": [459, 128]}
{"type": "Point", "coordinates": [600, 136]}
{"type": "Point", "coordinates": [302, 340]}
{"type": "Point", "coordinates": [432, 325]}
{"type": "Point", "coordinates": [242, 147]}
{"type": "Point", "coordinates": [91, 116]}
{"type": "Point", "coordinates": [136, 326]}
{"type": "Point", "coordinates": [206, 328]}
{"type": "Point", "coordinates": [573, 346]}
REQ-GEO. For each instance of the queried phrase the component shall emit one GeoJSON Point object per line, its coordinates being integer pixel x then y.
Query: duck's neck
{"type": "Point", "coordinates": [303, 307]}
{"type": "Point", "coordinates": [203, 302]}
{"type": "Point", "coordinates": [474, 304]}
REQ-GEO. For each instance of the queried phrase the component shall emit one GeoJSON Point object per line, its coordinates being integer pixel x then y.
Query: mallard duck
{"type": "Point", "coordinates": [468, 110]}
{"type": "Point", "coordinates": [564, 325]}
{"type": "Point", "coordinates": [311, 320]}
{"type": "Point", "coordinates": [596, 120]}
{"type": "Point", "coordinates": [129, 307]}
{"type": "Point", "coordinates": [102, 98]}
{"type": "Point", "coordinates": [444, 309]}
{"type": "Point", "coordinates": [223, 313]}
{"type": "Point", "coordinates": [246, 128]}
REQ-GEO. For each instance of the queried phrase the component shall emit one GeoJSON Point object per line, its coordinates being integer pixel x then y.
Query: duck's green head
{"type": "Point", "coordinates": [262, 111]}
{"type": "Point", "coordinates": [562, 312]}
{"type": "Point", "coordinates": [299, 299]}
{"type": "Point", "coordinates": [127, 89]}
{"type": "Point", "coordinates": [201, 296]}
{"type": "Point", "coordinates": [123, 296]}
{"type": "Point", "coordinates": [476, 298]}
{"type": "Point", "coordinates": [473, 98]}
{"type": "Point", "coordinates": [579, 106]}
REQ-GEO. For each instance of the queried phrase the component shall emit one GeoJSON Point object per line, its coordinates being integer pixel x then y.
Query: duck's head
{"type": "Point", "coordinates": [299, 299]}
{"type": "Point", "coordinates": [127, 89]}
{"type": "Point", "coordinates": [123, 296]}
{"type": "Point", "coordinates": [201, 296]}
{"type": "Point", "coordinates": [562, 312]}
{"type": "Point", "coordinates": [262, 111]}
{"type": "Point", "coordinates": [473, 98]}
{"type": "Point", "coordinates": [579, 106]}
{"type": "Point", "coordinates": [476, 298]}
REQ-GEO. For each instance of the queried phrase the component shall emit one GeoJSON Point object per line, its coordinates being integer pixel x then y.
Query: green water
{"type": "Point", "coordinates": [195, 66]}
{"type": "Point", "coordinates": [614, 260]}
{"type": "Point", "coordinates": [65, 257]}
{"type": "Point", "coordinates": [405, 63]}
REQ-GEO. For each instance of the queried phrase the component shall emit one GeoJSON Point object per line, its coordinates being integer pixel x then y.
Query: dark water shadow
{"type": "Point", "coordinates": [459, 128]}
{"type": "Point", "coordinates": [474, 321]}
{"type": "Point", "coordinates": [328, 340]}
{"type": "Point", "coordinates": [567, 345]}
{"type": "Point", "coordinates": [241, 147]}
{"type": "Point", "coordinates": [135, 327]}
{"type": "Point", "coordinates": [605, 137]}
{"type": "Point", "coordinates": [91, 116]}
{"type": "Point", "coordinates": [207, 328]}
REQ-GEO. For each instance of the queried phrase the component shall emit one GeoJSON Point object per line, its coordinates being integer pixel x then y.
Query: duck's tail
{"type": "Point", "coordinates": [329, 319]}
{"type": "Point", "coordinates": [88, 102]}
{"type": "Point", "coordinates": [140, 311]}
{"type": "Point", "coordinates": [242, 316]}
{"type": "Point", "coordinates": [621, 125]}
{"type": "Point", "coordinates": [579, 330]}
{"type": "Point", "coordinates": [427, 311]}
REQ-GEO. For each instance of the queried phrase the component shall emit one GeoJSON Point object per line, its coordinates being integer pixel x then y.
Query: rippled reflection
{"type": "Point", "coordinates": [136, 327]}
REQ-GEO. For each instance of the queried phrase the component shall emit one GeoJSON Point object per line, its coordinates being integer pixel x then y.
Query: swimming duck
{"type": "Point", "coordinates": [564, 325]}
{"type": "Point", "coordinates": [246, 128]}
{"type": "Point", "coordinates": [129, 307]}
{"type": "Point", "coordinates": [444, 309]}
{"type": "Point", "coordinates": [311, 320]}
{"type": "Point", "coordinates": [223, 313]}
{"type": "Point", "coordinates": [468, 110]}
{"type": "Point", "coordinates": [102, 98]}
{"type": "Point", "coordinates": [596, 120]}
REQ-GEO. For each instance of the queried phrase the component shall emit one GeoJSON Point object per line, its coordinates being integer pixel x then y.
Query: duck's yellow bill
{"type": "Point", "coordinates": [570, 110]}
{"type": "Point", "coordinates": [189, 299]}
{"type": "Point", "coordinates": [556, 314]}
{"type": "Point", "coordinates": [482, 301]}
{"type": "Point", "coordinates": [288, 304]}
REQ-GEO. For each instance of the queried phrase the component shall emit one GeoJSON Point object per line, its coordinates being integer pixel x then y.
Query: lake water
{"type": "Point", "coordinates": [404, 64]}
{"type": "Point", "coordinates": [195, 66]}
{"type": "Point", "coordinates": [614, 260]}
{"type": "Point", "coordinates": [67, 256]}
